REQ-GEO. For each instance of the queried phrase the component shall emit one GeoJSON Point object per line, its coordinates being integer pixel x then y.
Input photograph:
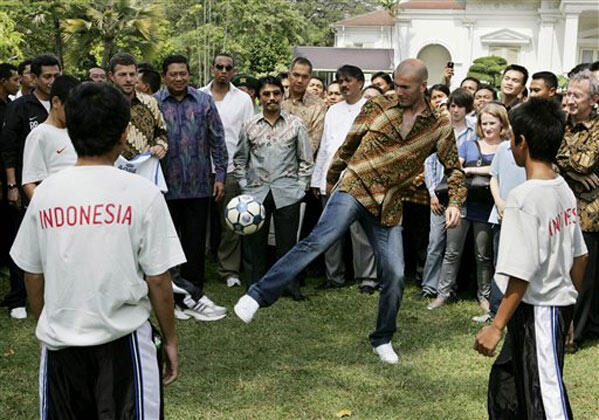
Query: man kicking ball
{"type": "Point", "coordinates": [96, 244]}
{"type": "Point", "coordinates": [382, 155]}
{"type": "Point", "coordinates": [540, 265]}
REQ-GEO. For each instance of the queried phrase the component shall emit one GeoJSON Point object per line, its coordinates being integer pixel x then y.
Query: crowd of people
{"type": "Point", "coordinates": [390, 177]}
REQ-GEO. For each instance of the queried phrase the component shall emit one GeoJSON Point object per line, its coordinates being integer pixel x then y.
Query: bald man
{"type": "Point", "coordinates": [371, 173]}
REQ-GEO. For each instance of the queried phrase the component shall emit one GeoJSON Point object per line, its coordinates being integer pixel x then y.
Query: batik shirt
{"type": "Point", "coordinates": [273, 158]}
{"type": "Point", "coordinates": [146, 128]}
{"type": "Point", "coordinates": [380, 166]}
{"type": "Point", "coordinates": [196, 135]}
{"type": "Point", "coordinates": [579, 153]}
{"type": "Point", "coordinates": [311, 110]}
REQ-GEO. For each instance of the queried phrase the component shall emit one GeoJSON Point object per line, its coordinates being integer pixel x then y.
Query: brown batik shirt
{"type": "Point", "coordinates": [146, 128]}
{"type": "Point", "coordinates": [311, 110]}
{"type": "Point", "coordinates": [579, 153]}
{"type": "Point", "coordinates": [381, 166]}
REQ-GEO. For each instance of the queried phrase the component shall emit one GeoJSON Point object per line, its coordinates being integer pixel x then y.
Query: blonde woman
{"type": "Point", "coordinates": [492, 128]}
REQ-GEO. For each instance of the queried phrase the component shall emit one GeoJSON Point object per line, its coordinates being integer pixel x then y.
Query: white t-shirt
{"type": "Point", "coordinates": [145, 165]}
{"type": "Point", "coordinates": [46, 105]}
{"type": "Point", "coordinates": [48, 149]}
{"type": "Point", "coordinates": [337, 123]}
{"type": "Point", "coordinates": [94, 231]}
{"type": "Point", "coordinates": [540, 237]}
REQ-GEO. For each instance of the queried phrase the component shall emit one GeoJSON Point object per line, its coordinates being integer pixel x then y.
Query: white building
{"type": "Point", "coordinates": [551, 35]}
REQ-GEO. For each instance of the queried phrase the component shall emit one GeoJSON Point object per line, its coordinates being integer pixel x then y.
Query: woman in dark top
{"type": "Point", "coordinates": [476, 156]}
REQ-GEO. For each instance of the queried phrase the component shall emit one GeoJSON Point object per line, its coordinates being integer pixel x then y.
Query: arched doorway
{"type": "Point", "coordinates": [435, 57]}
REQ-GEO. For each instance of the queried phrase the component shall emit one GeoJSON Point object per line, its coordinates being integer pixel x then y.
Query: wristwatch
{"type": "Point", "coordinates": [12, 186]}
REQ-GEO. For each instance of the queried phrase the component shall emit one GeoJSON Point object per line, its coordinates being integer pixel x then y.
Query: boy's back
{"type": "Point", "coordinates": [540, 237]}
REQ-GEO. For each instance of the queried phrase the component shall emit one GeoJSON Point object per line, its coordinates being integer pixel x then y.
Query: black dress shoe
{"type": "Point", "coordinates": [367, 290]}
{"type": "Point", "coordinates": [298, 297]}
{"type": "Point", "coordinates": [329, 285]}
{"type": "Point", "coordinates": [423, 294]}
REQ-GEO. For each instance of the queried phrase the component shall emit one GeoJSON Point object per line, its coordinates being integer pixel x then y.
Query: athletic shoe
{"type": "Point", "coordinates": [245, 308]}
{"type": "Point", "coordinates": [18, 313]}
{"type": "Point", "coordinates": [482, 318]}
{"type": "Point", "coordinates": [206, 310]}
{"type": "Point", "coordinates": [180, 314]}
{"type": "Point", "coordinates": [232, 281]}
{"type": "Point", "coordinates": [484, 305]}
{"type": "Point", "coordinates": [424, 294]}
{"type": "Point", "coordinates": [387, 354]}
{"type": "Point", "coordinates": [366, 290]}
{"type": "Point", "coordinates": [435, 304]}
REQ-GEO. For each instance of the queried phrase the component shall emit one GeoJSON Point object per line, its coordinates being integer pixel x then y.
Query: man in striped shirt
{"type": "Point", "coordinates": [381, 157]}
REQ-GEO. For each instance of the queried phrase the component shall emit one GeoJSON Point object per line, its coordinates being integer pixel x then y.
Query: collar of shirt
{"type": "Point", "coordinates": [165, 94]}
{"type": "Point", "coordinates": [233, 91]}
{"type": "Point", "coordinates": [282, 116]}
{"type": "Point", "coordinates": [585, 125]}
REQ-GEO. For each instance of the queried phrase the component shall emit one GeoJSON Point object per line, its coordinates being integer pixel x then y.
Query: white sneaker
{"type": "Point", "coordinates": [233, 281]}
{"type": "Point", "coordinates": [245, 308]}
{"type": "Point", "coordinates": [484, 305]}
{"type": "Point", "coordinates": [482, 318]}
{"type": "Point", "coordinates": [18, 313]}
{"type": "Point", "coordinates": [206, 310]}
{"type": "Point", "coordinates": [180, 314]}
{"type": "Point", "coordinates": [387, 354]}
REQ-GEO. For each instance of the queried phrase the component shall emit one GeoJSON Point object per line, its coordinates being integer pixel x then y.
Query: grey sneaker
{"type": "Point", "coordinates": [206, 310]}
{"type": "Point", "coordinates": [482, 318]}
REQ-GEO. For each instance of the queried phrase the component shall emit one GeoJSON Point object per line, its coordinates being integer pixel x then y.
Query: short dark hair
{"type": "Point", "coordinates": [22, 65]}
{"type": "Point", "coordinates": [43, 60]}
{"type": "Point", "coordinates": [96, 116]}
{"type": "Point", "coordinates": [524, 92]}
{"type": "Point", "coordinates": [62, 86]}
{"type": "Point", "coordinates": [519, 69]}
{"type": "Point", "coordinates": [321, 80]}
{"type": "Point", "coordinates": [141, 67]}
{"type": "Point", "coordinates": [350, 71]}
{"type": "Point", "coordinates": [385, 76]}
{"type": "Point", "coordinates": [174, 59]}
{"type": "Point", "coordinates": [122, 59]}
{"type": "Point", "coordinates": [223, 54]}
{"type": "Point", "coordinates": [578, 68]}
{"type": "Point", "coordinates": [594, 66]}
{"type": "Point", "coordinates": [6, 70]}
{"type": "Point", "coordinates": [152, 79]}
{"type": "Point", "coordinates": [375, 87]}
{"type": "Point", "coordinates": [269, 80]}
{"type": "Point", "coordinates": [549, 78]}
{"type": "Point", "coordinates": [302, 61]}
{"type": "Point", "coordinates": [440, 87]}
{"type": "Point", "coordinates": [485, 86]}
{"type": "Point", "coordinates": [283, 75]}
{"type": "Point", "coordinates": [473, 79]}
{"type": "Point", "coordinates": [462, 98]}
{"type": "Point", "coordinates": [542, 123]}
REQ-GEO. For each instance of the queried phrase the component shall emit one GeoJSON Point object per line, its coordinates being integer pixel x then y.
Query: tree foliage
{"type": "Point", "coordinates": [10, 39]}
{"type": "Point", "coordinates": [488, 69]}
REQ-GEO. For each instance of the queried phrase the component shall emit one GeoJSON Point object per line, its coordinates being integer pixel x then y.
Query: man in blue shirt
{"type": "Point", "coordinates": [196, 136]}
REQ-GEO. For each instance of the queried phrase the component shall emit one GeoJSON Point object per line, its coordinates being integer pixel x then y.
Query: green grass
{"type": "Point", "coordinates": [310, 360]}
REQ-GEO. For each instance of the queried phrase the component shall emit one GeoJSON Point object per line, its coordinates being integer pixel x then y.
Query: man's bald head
{"type": "Point", "coordinates": [412, 67]}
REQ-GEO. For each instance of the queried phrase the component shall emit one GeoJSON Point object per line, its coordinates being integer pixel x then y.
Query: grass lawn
{"type": "Point", "coordinates": [311, 360]}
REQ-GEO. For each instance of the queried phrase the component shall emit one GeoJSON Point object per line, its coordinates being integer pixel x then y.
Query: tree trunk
{"type": "Point", "coordinates": [108, 51]}
{"type": "Point", "coordinates": [57, 35]}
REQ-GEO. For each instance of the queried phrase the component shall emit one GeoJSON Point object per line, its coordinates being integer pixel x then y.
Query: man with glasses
{"type": "Point", "coordinates": [234, 106]}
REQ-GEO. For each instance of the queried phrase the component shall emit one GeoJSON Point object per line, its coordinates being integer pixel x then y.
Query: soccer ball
{"type": "Point", "coordinates": [244, 215]}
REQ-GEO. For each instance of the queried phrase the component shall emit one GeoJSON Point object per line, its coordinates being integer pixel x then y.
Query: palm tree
{"type": "Point", "coordinates": [112, 21]}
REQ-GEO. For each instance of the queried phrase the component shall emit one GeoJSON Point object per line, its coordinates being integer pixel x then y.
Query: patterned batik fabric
{"type": "Point", "coordinates": [579, 153]}
{"type": "Point", "coordinates": [146, 128]}
{"type": "Point", "coordinates": [381, 167]}
{"type": "Point", "coordinates": [311, 110]}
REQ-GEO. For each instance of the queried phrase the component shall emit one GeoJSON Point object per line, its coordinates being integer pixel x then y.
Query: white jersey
{"type": "Point", "coordinates": [540, 237]}
{"type": "Point", "coordinates": [94, 232]}
{"type": "Point", "coordinates": [145, 165]}
{"type": "Point", "coordinates": [48, 149]}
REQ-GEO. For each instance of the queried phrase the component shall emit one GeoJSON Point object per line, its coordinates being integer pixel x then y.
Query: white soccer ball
{"type": "Point", "coordinates": [244, 215]}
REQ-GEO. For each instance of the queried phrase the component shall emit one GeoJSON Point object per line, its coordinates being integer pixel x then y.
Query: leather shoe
{"type": "Point", "coordinates": [329, 285]}
{"type": "Point", "coordinates": [367, 290]}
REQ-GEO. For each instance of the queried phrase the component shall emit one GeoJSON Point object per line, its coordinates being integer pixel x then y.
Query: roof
{"type": "Point", "coordinates": [377, 18]}
{"type": "Point", "coordinates": [331, 58]}
{"type": "Point", "coordinates": [433, 4]}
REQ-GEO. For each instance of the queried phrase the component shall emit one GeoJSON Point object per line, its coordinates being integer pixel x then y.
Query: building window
{"type": "Point", "coordinates": [511, 54]}
{"type": "Point", "coordinates": [588, 55]}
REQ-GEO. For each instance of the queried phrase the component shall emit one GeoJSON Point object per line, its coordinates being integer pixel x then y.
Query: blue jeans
{"type": "Point", "coordinates": [434, 254]}
{"type": "Point", "coordinates": [340, 212]}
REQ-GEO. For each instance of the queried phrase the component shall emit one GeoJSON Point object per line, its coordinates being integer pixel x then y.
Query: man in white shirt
{"type": "Point", "coordinates": [234, 106]}
{"type": "Point", "coordinates": [96, 244]}
{"type": "Point", "coordinates": [337, 122]}
{"type": "Point", "coordinates": [48, 148]}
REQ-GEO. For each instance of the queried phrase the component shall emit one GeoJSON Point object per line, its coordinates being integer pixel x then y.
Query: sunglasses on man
{"type": "Point", "coordinates": [221, 67]}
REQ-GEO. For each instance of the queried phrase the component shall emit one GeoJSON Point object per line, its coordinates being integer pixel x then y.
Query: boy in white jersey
{"type": "Point", "coordinates": [96, 244]}
{"type": "Point", "coordinates": [48, 148]}
{"type": "Point", "coordinates": [541, 261]}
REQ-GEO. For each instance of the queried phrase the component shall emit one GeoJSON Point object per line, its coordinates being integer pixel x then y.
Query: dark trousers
{"type": "Point", "coordinates": [255, 246]}
{"type": "Point", "coordinates": [416, 223]}
{"type": "Point", "coordinates": [586, 312]}
{"type": "Point", "coordinates": [189, 217]}
{"type": "Point", "coordinates": [496, 295]}
{"type": "Point", "coordinates": [17, 295]}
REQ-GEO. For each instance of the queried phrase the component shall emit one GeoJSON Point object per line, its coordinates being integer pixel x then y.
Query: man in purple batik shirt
{"type": "Point", "coordinates": [196, 135]}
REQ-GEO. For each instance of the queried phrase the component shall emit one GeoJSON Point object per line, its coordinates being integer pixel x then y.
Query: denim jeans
{"type": "Point", "coordinates": [340, 212]}
{"type": "Point", "coordinates": [434, 254]}
{"type": "Point", "coordinates": [496, 295]}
